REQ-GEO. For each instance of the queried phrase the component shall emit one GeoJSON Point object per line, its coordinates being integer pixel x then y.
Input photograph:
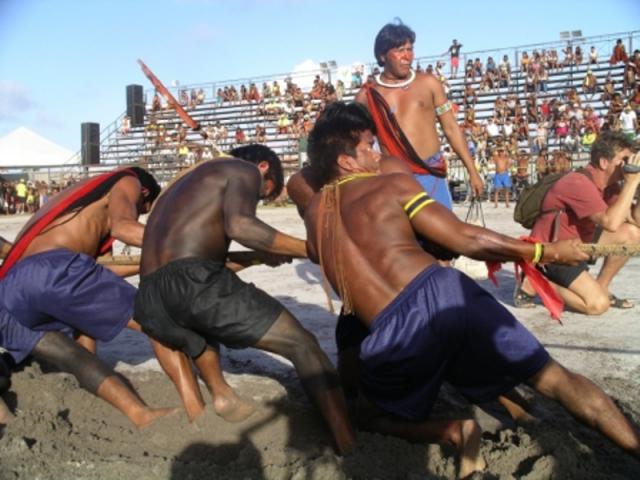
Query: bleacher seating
{"type": "Point", "coordinates": [138, 146]}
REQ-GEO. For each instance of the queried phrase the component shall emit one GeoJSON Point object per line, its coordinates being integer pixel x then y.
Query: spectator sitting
{"type": "Point", "coordinates": [156, 104]}
{"type": "Point", "coordinates": [593, 56]}
{"type": "Point", "coordinates": [260, 134]}
{"type": "Point", "coordinates": [491, 66]}
{"type": "Point", "coordinates": [619, 53]}
{"type": "Point", "coordinates": [200, 96]}
{"type": "Point", "coordinates": [276, 89]}
{"type": "Point", "coordinates": [339, 90]}
{"type": "Point", "coordinates": [253, 95]}
{"type": "Point", "coordinates": [589, 84]}
{"type": "Point", "coordinates": [505, 72]}
{"type": "Point", "coordinates": [524, 62]}
{"type": "Point", "coordinates": [125, 127]}
{"type": "Point", "coordinates": [588, 138]}
{"type": "Point", "coordinates": [356, 78]}
{"type": "Point", "coordinates": [283, 124]}
{"type": "Point", "coordinates": [240, 136]}
{"type": "Point", "coordinates": [635, 99]}
{"type": "Point", "coordinates": [608, 90]}
{"type": "Point", "coordinates": [577, 55]}
{"type": "Point", "coordinates": [266, 91]}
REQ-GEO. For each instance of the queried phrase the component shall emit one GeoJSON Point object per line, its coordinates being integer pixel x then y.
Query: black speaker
{"type": "Point", "coordinates": [90, 150]}
{"type": "Point", "coordinates": [135, 105]}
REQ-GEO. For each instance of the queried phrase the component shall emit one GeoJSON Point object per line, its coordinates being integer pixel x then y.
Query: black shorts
{"type": "Point", "coordinates": [563, 275]}
{"type": "Point", "coordinates": [191, 302]}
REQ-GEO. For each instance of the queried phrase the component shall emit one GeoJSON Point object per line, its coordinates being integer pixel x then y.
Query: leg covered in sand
{"type": "Point", "coordinates": [288, 338]}
{"type": "Point", "coordinates": [95, 377]}
{"type": "Point", "coordinates": [588, 404]}
{"type": "Point", "coordinates": [465, 435]}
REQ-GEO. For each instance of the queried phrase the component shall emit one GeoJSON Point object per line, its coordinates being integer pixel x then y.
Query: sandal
{"type": "Point", "coordinates": [623, 303]}
{"type": "Point", "coordinates": [522, 299]}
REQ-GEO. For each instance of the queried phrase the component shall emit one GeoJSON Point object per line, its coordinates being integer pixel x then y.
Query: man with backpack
{"type": "Point", "coordinates": [596, 205]}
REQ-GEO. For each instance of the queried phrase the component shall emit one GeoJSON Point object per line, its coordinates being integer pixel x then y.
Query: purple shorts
{"type": "Point", "coordinates": [444, 327]}
{"type": "Point", "coordinates": [60, 290]}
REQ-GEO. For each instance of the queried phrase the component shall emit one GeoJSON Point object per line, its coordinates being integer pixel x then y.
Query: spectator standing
{"type": "Point", "coordinates": [454, 51]}
{"type": "Point", "coordinates": [21, 196]}
{"type": "Point", "coordinates": [629, 123]}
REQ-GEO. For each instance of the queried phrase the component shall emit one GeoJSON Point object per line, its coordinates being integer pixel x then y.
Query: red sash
{"type": "Point", "coordinates": [550, 298]}
{"type": "Point", "coordinates": [393, 138]}
{"type": "Point", "coordinates": [72, 198]}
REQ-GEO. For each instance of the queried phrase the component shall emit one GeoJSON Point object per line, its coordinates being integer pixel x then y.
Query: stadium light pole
{"type": "Point", "coordinates": [327, 66]}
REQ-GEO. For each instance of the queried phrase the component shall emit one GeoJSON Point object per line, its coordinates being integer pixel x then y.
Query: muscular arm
{"type": "Point", "coordinates": [454, 135]}
{"type": "Point", "coordinates": [439, 225]}
{"type": "Point", "coordinates": [123, 211]}
{"type": "Point", "coordinates": [242, 225]}
{"type": "Point", "coordinates": [621, 210]}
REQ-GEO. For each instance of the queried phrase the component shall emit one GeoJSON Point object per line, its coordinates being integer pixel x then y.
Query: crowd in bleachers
{"type": "Point", "coordinates": [551, 105]}
{"type": "Point", "coordinates": [542, 127]}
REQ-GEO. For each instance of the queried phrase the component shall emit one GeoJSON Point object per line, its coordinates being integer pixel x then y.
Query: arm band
{"type": "Point", "coordinates": [444, 108]}
{"type": "Point", "coordinates": [538, 253]}
{"type": "Point", "coordinates": [417, 203]}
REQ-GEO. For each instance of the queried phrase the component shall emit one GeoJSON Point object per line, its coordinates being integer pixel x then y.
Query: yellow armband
{"type": "Point", "coordinates": [417, 203]}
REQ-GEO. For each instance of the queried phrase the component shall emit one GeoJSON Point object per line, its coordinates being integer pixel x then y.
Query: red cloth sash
{"type": "Point", "coordinates": [550, 298]}
{"type": "Point", "coordinates": [393, 138]}
{"type": "Point", "coordinates": [66, 201]}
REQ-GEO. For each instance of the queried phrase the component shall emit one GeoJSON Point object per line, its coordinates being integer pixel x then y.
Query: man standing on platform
{"type": "Point", "coordinates": [405, 106]}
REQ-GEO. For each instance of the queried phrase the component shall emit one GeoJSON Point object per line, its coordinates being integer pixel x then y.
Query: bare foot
{"type": "Point", "coordinates": [5, 413]}
{"type": "Point", "coordinates": [470, 458]}
{"type": "Point", "coordinates": [232, 408]}
{"type": "Point", "coordinates": [150, 415]}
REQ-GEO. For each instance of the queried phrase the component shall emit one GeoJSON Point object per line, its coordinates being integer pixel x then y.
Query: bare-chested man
{"type": "Point", "coordinates": [190, 301]}
{"type": "Point", "coordinates": [502, 178]}
{"type": "Point", "coordinates": [52, 284]}
{"type": "Point", "coordinates": [428, 323]}
{"type": "Point", "coordinates": [405, 105]}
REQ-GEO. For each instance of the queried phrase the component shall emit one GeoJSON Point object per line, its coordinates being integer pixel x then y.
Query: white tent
{"type": "Point", "coordinates": [24, 148]}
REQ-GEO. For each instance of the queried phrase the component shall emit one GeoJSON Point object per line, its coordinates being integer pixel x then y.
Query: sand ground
{"type": "Point", "coordinates": [62, 432]}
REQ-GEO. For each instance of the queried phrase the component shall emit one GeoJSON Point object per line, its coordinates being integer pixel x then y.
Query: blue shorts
{"type": "Point", "coordinates": [502, 180]}
{"type": "Point", "coordinates": [437, 188]}
{"type": "Point", "coordinates": [60, 290]}
{"type": "Point", "coordinates": [444, 327]}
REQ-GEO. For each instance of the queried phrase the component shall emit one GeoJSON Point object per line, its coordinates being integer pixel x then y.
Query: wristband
{"type": "Point", "coordinates": [538, 253]}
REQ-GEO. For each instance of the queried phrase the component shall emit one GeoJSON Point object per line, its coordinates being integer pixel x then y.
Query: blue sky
{"type": "Point", "coordinates": [64, 62]}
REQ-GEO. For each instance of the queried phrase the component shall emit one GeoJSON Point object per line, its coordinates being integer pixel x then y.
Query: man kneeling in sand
{"type": "Point", "coordinates": [190, 301]}
{"type": "Point", "coordinates": [428, 323]}
{"type": "Point", "coordinates": [51, 283]}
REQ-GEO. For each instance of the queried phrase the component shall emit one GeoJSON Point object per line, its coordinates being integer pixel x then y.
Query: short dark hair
{"type": "Point", "coordinates": [337, 131]}
{"type": "Point", "coordinates": [607, 145]}
{"type": "Point", "coordinates": [148, 182]}
{"type": "Point", "coordinates": [392, 35]}
{"type": "Point", "coordinates": [256, 153]}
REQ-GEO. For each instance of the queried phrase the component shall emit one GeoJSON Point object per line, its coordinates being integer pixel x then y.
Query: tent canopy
{"type": "Point", "coordinates": [24, 148]}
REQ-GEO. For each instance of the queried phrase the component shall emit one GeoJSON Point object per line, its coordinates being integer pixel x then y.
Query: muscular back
{"type": "Point", "coordinates": [414, 108]}
{"type": "Point", "coordinates": [376, 245]}
{"type": "Point", "coordinates": [193, 217]}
